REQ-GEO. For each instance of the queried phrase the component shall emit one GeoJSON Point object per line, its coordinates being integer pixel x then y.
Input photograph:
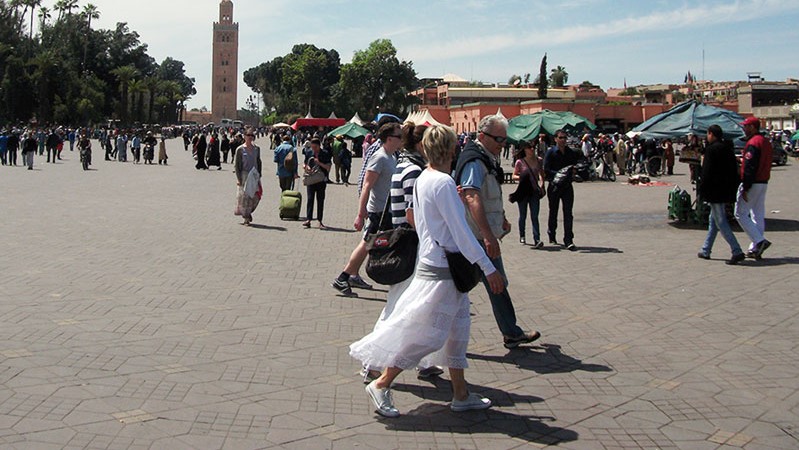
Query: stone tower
{"type": "Point", "coordinates": [224, 83]}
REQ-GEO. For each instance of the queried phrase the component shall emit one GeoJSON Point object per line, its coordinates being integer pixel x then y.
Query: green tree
{"type": "Point", "coordinates": [376, 80]}
{"type": "Point", "coordinates": [559, 77]}
{"type": "Point", "coordinates": [124, 75]}
{"type": "Point", "coordinates": [542, 78]}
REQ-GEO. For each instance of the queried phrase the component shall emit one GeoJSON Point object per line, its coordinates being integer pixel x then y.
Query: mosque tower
{"type": "Point", "coordinates": [225, 74]}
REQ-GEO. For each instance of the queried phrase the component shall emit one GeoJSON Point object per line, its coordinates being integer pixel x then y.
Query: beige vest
{"type": "Point", "coordinates": [491, 198]}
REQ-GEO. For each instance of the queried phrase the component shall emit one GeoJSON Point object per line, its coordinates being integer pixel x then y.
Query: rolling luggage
{"type": "Point", "coordinates": [290, 205]}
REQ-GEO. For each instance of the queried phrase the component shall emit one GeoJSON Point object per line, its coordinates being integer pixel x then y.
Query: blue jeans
{"type": "Point", "coordinates": [718, 222]}
{"type": "Point", "coordinates": [501, 304]}
{"type": "Point", "coordinates": [534, 204]}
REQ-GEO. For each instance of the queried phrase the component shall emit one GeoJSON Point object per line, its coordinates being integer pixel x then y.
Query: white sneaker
{"type": "Point", "coordinates": [472, 402]}
{"type": "Point", "coordinates": [381, 399]}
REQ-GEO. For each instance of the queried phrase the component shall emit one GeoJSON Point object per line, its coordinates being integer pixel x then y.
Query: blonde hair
{"type": "Point", "coordinates": [438, 143]}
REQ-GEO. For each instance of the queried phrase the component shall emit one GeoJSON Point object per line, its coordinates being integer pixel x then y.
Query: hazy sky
{"type": "Point", "coordinates": [603, 41]}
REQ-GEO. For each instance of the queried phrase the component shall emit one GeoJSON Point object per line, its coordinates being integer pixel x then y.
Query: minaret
{"type": "Point", "coordinates": [225, 79]}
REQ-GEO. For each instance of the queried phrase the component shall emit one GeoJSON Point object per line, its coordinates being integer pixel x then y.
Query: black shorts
{"type": "Point", "coordinates": [373, 224]}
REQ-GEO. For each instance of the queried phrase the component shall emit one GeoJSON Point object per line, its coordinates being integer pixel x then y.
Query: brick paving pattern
{"type": "Point", "coordinates": [136, 313]}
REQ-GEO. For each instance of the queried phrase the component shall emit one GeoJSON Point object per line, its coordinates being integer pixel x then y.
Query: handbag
{"type": "Point", "coordinates": [392, 253]}
{"type": "Point", "coordinates": [315, 177]}
{"type": "Point", "coordinates": [465, 274]}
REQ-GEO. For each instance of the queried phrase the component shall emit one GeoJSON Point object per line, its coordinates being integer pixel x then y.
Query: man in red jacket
{"type": "Point", "coordinates": [750, 204]}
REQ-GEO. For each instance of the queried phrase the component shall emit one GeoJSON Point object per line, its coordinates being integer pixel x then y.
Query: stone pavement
{"type": "Point", "coordinates": [136, 313]}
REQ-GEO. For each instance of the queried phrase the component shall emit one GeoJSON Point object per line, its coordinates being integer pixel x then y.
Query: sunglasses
{"type": "Point", "coordinates": [497, 139]}
{"type": "Point", "coordinates": [398, 136]}
{"type": "Point", "coordinates": [561, 137]}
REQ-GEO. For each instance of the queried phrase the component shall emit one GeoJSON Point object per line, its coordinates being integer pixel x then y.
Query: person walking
{"type": "Point", "coordinates": [13, 146]}
{"type": "Point", "coordinates": [135, 147]}
{"type": "Point", "coordinates": [430, 324]}
{"type": "Point", "coordinates": [371, 202]}
{"type": "Point", "coordinates": [162, 156]}
{"type": "Point", "coordinates": [247, 158]}
{"type": "Point", "coordinates": [318, 159]}
{"type": "Point", "coordinates": [529, 175]}
{"type": "Point", "coordinates": [286, 169]}
{"type": "Point", "coordinates": [3, 147]}
{"type": "Point", "coordinates": [480, 175]}
{"type": "Point", "coordinates": [717, 186]}
{"type": "Point", "coordinates": [202, 146]}
{"type": "Point", "coordinates": [560, 190]}
{"type": "Point", "coordinates": [750, 204]}
{"type": "Point", "coordinates": [29, 146]}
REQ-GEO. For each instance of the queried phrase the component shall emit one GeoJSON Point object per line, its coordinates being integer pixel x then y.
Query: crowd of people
{"type": "Point", "coordinates": [448, 190]}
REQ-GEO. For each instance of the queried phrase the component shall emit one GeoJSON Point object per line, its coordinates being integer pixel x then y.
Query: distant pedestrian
{"type": "Point", "coordinates": [212, 157]}
{"type": "Point", "coordinates": [85, 150]}
{"type": "Point", "coordinates": [224, 147]}
{"type": "Point", "coordinates": [29, 145]}
{"type": "Point", "coordinates": [135, 148]}
{"type": "Point", "coordinates": [529, 173]}
{"type": "Point", "coordinates": [247, 163]}
{"type": "Point", "coordinates": [717, 186]}
{"type": "Point", "coordinates": [750, 205]}
{"type": "Point", "coordinates": [202, 146]}
{"type": "Point", "coordinates": [4, 147]}
{"type": "Point", "coordinates": [319, 159]}
{"type": "Point", "coordinates": [286, 168]}
{"type": "Point", "coordinates": [162, 157]}
{"type": "Point", "coordinates": [13, 146]}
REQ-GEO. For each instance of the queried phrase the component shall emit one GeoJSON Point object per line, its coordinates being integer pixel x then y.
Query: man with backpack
{"type": "Point", "coordinates": [286, 159]}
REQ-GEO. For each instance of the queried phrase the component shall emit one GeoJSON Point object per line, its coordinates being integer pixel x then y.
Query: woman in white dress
{"type": "Point", "coordinates": [430, 324]}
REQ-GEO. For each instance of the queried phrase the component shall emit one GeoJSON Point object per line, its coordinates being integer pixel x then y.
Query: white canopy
{"type": "Point", "coordinates": [333, 115]}
{"type": "Point", "coordinates": [422, 117]}
{"type": "Point", "coordinates": [356, 119]}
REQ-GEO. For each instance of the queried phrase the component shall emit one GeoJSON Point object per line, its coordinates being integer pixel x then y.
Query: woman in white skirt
{"type": "Point", "coordinates": [430, 323]}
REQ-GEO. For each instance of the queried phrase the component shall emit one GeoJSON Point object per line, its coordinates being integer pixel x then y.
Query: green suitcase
{"type": "Point", "coordinates": [290, 205]}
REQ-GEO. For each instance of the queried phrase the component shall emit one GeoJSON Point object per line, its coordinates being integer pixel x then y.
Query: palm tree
{"type": "Point", "coordinates": [33, 4]}
{"type": "Point", "coordinates": [91, 12]}
{"type": "Point", "coordinates": [136, 89]}
{"type": "Point", "coordinates": [60, 6]}
{"type": "Point", "coordinates": [44, 16]}
{"type": "Point", "coordinates": [124, 74]}
{"type": "Point", "coordinates": [559, 77]}
{"type": "Point", "coordinates": [70, 5]}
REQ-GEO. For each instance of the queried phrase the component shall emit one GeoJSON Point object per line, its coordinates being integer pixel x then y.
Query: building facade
{"type": "Point", "coordinates": [225, 71]}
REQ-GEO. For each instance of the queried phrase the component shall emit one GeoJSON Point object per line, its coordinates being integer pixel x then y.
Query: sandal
{"type": "Point", "coordinates": [322, 226]}
{"type": "Point", "coordinates": [306, 224]}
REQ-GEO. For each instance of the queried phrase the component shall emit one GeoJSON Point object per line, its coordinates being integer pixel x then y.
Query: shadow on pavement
{"type": "Point", "coordinates": [781, 225]}
{"type": "Point", "coordinates": [583, 249]}
{"type": "Point", "coordinates": [339, 230]}
{"type": "Point", "coordinates": [437, 417]}
{"type": "Point", "coordinates": [772, 225]}
{"type": "Point", "coordinates": [551, 360]}
{"type": "Point", "coordinates": [266, 227]}
{"type": "Point", "coordinates": [770, 262]}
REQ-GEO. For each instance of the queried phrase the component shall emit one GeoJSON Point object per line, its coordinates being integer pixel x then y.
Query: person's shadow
{"type": "Point", "coordinates": [266, 227]}
{"type": "Point", "coordinates": [543, 359]}
{"type": "Point", "coordinates": [437, 417]}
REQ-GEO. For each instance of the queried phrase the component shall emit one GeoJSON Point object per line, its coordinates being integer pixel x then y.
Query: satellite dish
{"type": "Point", "coordinates": [517, 82]}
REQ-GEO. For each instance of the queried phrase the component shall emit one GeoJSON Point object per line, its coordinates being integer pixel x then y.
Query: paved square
{"type": "Point", "coordinates": [136, 313]}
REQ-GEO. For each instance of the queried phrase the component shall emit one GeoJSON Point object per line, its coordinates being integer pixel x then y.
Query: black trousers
{"type": "Point", "coordinates": [316, 190]}
{"type": "Point", "coordinates": [556, 196]}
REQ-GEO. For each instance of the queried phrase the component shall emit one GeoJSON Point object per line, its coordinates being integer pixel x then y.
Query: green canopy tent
{"type": "Point", "coordinates": [350, 130]}
{"type": "Point", "coordinates": [691, 117]}
{"type": "Point", "coordinates": [527, 127]}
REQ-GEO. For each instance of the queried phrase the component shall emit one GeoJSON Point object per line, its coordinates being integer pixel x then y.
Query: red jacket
{"type": "Point", "coordinates": [756, 164]}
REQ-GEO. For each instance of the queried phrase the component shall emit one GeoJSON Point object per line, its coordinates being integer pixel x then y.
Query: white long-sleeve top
{"type": "Point", "coordinates": [441, 222]}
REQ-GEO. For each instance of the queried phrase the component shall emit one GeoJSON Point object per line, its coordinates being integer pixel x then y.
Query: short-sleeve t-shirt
{"type": "Point", "coordinates": [384, 165]}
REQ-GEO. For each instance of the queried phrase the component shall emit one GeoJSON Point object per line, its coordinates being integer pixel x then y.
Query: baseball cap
{"type": "Point", "coordinates": [751, 121]}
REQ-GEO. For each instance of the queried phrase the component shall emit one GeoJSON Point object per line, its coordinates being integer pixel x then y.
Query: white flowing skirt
{"type": "Point", "coordinates": [429, 326]}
